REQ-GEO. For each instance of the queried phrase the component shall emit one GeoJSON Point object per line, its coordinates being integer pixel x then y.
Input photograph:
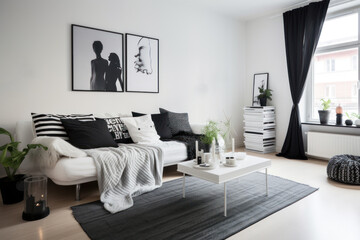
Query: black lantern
{"type": "Point", "coordinates": [35, 194]}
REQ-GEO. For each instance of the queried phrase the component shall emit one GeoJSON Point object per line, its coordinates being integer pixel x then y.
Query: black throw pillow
{"type": "Point", "coordinates": [179, 122]}
{"type": "Point", "coordinates": [86, 135]}
{"type": "Point", "coordinates": [161, 122]}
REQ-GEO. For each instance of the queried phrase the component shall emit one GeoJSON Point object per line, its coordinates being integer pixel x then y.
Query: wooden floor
{"type": "Point", "coordinates": [332, 212]}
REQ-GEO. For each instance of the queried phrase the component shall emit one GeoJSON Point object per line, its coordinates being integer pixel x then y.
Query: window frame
{"type": "Point", "coordinates": [309, 90]}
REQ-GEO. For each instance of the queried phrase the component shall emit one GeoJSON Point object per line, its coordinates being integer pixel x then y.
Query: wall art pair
{"type": "Point", "coordinates": [98, 61]}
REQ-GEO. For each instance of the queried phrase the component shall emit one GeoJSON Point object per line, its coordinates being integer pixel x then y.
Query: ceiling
{"type": "Point", "coordinates": [251, 9]}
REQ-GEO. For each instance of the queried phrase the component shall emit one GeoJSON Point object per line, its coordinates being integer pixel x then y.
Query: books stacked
{"type": "Point", "coordinates": [259, 129]}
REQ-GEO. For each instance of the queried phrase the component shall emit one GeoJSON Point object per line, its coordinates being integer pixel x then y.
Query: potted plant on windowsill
{"type": "Point", "coordinates": [357, 121]}
{"type": "Point", "coordinates": [264, 95]}
{"type": "Point", "coordinates": [11, 186]}
{"type": "Point", "coordinates": [348, 121]}
{"type": "Point", "coordinates": [324, 113]}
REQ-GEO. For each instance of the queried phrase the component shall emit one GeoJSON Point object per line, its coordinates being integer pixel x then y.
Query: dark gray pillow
{"type": "Point", "coordinates": [179, 122]}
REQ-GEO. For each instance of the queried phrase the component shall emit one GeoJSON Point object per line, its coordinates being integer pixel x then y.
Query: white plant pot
{"type": "Point", "coordinates": [357, 122]}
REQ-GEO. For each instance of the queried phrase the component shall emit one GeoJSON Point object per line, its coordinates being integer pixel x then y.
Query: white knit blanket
{"type": "Point", "coordinates": [126, 172]}
{"type": "Point", "coordinates": [123, 172]}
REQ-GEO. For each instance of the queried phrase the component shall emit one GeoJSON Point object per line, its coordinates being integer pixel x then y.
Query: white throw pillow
{"type": "Point", "coordinates": [141, 129]}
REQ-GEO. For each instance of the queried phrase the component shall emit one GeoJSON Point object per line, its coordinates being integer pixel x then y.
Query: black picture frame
{"type": "Point", "coordinates": [260, 79]}
{"type": "Point", "coordinates": [142, 75]}
{"type": "Point", "coordinates": [86, 62]}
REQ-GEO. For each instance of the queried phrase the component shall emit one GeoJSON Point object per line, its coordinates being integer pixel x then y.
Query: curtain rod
{"type": "Point", "coordinates": [301, 4]}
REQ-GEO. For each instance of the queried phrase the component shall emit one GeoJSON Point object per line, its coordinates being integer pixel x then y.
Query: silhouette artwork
{"type": "Point", "coordinates": [104, 52]}
{"type": "Point", "coordinates": [142, 68]}
{"type": "Point", "coordinates": [98, 68]}
{"type": "Point", "coordinates": [143, 57]}
{"type": "Point", "coordinates": [113, 73]}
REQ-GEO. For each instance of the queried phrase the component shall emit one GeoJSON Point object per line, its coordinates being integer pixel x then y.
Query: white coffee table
{"type": "Point", "coordinates": [224, 174]}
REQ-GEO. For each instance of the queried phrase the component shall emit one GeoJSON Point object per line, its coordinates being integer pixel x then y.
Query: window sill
{"type": "Point", "coordinates": [328, 125]}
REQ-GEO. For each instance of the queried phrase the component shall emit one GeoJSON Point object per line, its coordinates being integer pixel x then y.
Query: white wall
{"type": "Point", "coordinates": [265, 52]}
{"type": "Point", "coordinates": [202, 59]}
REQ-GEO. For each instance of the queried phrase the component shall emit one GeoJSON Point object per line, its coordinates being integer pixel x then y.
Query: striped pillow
{"type": "Point", "coordinates": [50, 125]}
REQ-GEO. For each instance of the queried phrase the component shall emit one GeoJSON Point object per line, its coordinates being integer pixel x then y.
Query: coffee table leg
{"type": "Point", "coordinates": [225, 210]}
{"type": "Point", "coordinates": [266, 180]}
{"type": "Point", "coordinates": [183, 185]}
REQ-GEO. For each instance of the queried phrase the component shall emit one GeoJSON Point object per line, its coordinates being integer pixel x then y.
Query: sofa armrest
{"type": "Point", "coordinates": [197, 127]}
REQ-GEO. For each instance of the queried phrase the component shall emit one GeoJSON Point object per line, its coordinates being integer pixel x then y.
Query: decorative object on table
{"type": "Point", "coordinates": [35, 191]}
{"type": "Point", "coordinates": [324, 113]}
{"type": "Point", "coordinates": [260, 81]}
{"type": "Point", "coordinates": [207, 158]}
{"type": "Point", "coordinates": [199, 160]}
{"type": "Point", "coordinates": [142, 64]}
{"type": "Point", "coordinates": [259, 129]}
{"type": "Point", "coordinates": [211, 131]}
{"type": "Point", "coordinates": [233, 145]}
{"type": "Point", "coordinates": [357, 121]}
{"type": "Point", "coordinates": [12, 186]}
{"type": "Point", "coordinates": [204, 166]}
{"type": "Point", "coordinates": [230, 162]}
{"type": "Point", "coordinates": [236, 155]}
{"type": "Point", "coordinates": [97, 60]}
{"type": "Point", "coordinates": [240, 155]}
{"type": "Point", "coordinates": [339, 114]}
{"type": "Point", "coordinates": [264, 95]}
{"type": "Point", "coordinates": [348, 121]}
{"type": "Point", "coordinates": [199, 155]}
{"type": "Point", "coordinates": [215, 155]}
{"type": "Point", "coordinates": [227, 132]}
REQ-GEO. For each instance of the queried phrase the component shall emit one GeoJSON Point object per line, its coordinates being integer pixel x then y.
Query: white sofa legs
{"type": "Point", "coordinates": [77, 197]}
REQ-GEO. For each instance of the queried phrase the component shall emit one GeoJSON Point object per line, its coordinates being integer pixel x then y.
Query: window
{"type": "Point", "coordinates": [330, 91]}
{"type": "Point", "coordinates": [335, 67]}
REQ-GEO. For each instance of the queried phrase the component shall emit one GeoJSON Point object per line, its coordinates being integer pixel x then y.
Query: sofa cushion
{"type": "Point", "coordinates": [141, 129]}
{"type": "Point", "coordinates": [179, 122]}
{"type": "Point", "coordinates": [118, 130]}
{"type": "Point", "coordinates": [51, 126]}
{"type": "Point", "coordinates": [88, 135]}
{"type": "Point", "coordinates": [161, 122]}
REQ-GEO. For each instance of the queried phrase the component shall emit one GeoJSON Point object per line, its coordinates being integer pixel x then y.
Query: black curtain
{"type": "Point", "coordinates": [302, 28]}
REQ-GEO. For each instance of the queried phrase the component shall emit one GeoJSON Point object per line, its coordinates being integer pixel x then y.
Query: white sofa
{"type": "Point", "coordinates": [74, 171]}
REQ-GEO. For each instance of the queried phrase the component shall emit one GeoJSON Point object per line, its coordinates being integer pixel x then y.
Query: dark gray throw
{"type": "Point", "coordinates": [164, 214]}
{"type": "Point", "coordinates": [189, 140]}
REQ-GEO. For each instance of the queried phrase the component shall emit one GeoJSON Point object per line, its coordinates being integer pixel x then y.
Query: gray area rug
{"type": "Point", "coordinates": [164, 214]}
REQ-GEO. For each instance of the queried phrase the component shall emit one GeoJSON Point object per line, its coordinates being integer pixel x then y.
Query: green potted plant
{"type": "Point", "coordinates": [348, 121]}
{"type": "Point", "coordinates": [357, 121]}
{"type": "Point", "coordinates": [210, 133]}
{"type": "Point", "coordinates": [324, 113]}
{"type": "Point", "coordinates": [264, 95]}
{"type": "Point", "coordinates": [11, 186]}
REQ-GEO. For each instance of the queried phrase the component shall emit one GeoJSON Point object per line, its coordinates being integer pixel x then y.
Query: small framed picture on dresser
{"type": "Point", "coordinates": [260, 81]}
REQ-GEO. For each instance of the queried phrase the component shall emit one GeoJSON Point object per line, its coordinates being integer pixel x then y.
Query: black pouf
{"type": "Point", "coordinates": [345, 169]}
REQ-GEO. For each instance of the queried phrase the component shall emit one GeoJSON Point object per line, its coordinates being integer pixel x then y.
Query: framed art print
{"type": "Point", "coordinates": [260, 80]}
{"type": "Point", "coordinates": [142, 64]}
{"type": "Point", "coordinates": [97, 60]}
